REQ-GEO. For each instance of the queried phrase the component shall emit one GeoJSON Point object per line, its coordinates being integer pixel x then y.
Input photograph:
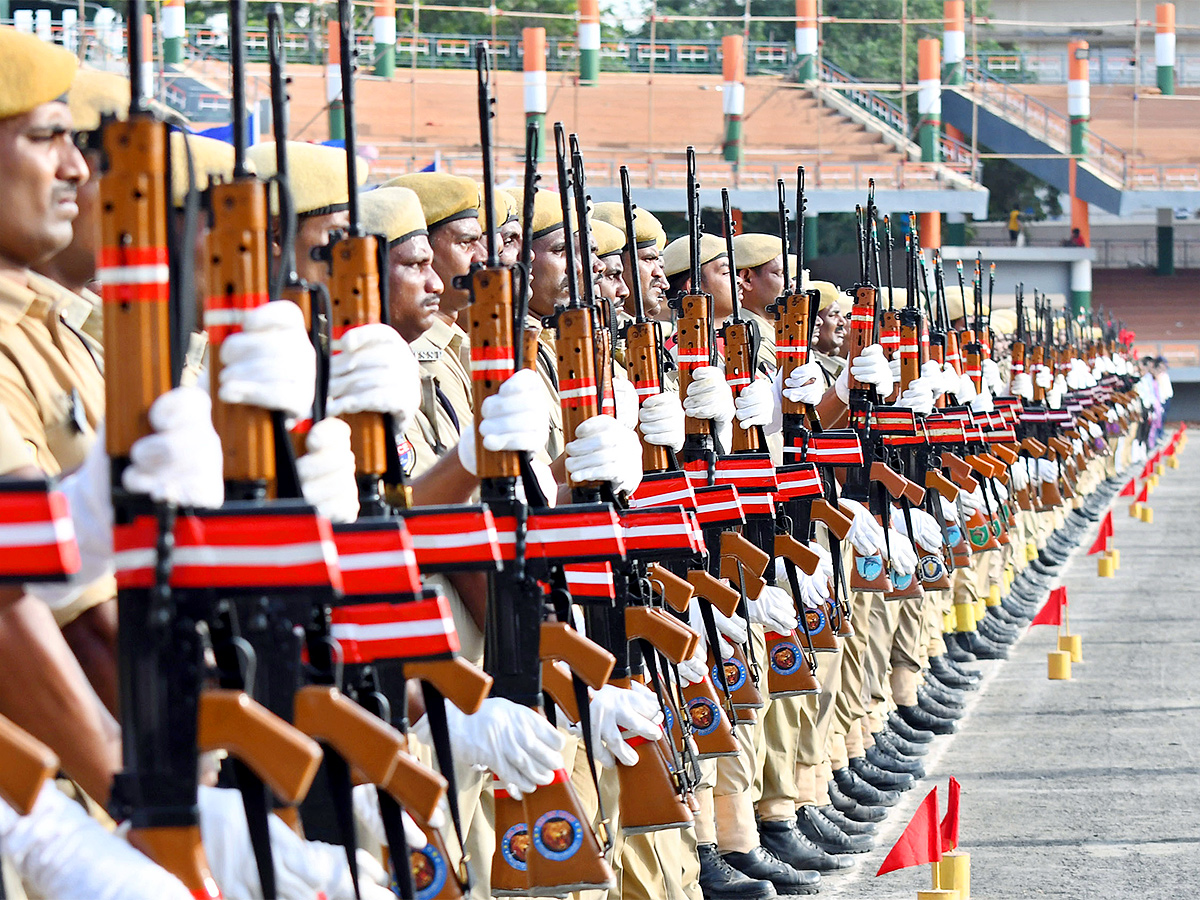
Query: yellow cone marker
{"type": "Point", "coordinates": [1115, 556]}
{"type": "Point", "coordinates": [1031, 552]}
{"type": "Point", "coordinates": [1135, 510]}
{"type": "Point", "coordinates": [1072, 644]}
{"type": "Point", "coordinates": [1173, 461]}
{"type": "Point", "coordinates": [1147, 515]}
{"type": "Point", "coordinates": [938, 895]}
{"type": "Point", "coordinates": [1058, 665]}
{"type": "Point", "coordinates": [954, 872]}
{"type": "Point", "coordinates": [1104, 566]}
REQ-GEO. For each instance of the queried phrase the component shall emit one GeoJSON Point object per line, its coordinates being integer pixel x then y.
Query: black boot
{"type": "Point", "coordinates": [996, 631]}
{"type": "Point", "coordinates": [852, 809]}
{"type": "Point", "coordinates": [894, 745]}
{"type": "Point", "coordinates": [979, 647]}
{"type": "Point", "coordinates": [949, 676]}
{"type": "Point", "coordinates": [938, 710]}
{"type": "Point", "coordinates": [853, 786]}
{"type": "Point", "coordinates": [956, 651]}
{"type": "Point", "coordinates": [912, 734]}
{"type": "Point", "coordinates": [880, 778]}
{"type": "Point", "coordinates": [952, 697]}
{"type": "Point", "coordinates": [919, 718]}
{"type": "Point", "coordinates": [845, 823]}
{"type": "Point", "coordinates": [1002, 614]}
{"type": "Point", "coordinates": [828, 836]}
{"type": "Point", "coordinates": [964, 670]}
{"type": "Point", "coordinates": [721, 881]}
{"type": "Point", "coordinates": [760, 865]}
{"type": "Point", "coordinates": [784, 841]}
{"type": "Point", "coordinates": [880, 758]}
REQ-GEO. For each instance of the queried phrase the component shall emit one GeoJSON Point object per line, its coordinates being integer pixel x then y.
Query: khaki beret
{"type": "Point", "coordinates": [609, 238]}
{"type": "Point", "coordinates": [507, 207]}
{"type": "Point", "coordinates": [394, 212]}
{"type": "Point", "coordinates": [648, 230]}
{"type": "Point", "coordinates": [95, 94]}
{"type": "Point", "coordinates": [547, 212]}
{"type": "Point", "coordinates": [1004, 321]}
{"type": "Point", "coordinates": [954, 302]}
{"type": "Point", "coordinates": [444, 198]}
{"type": "Point", "coordinates": [675, 256]}
{"type": "Point", "coordinates": [752, 250]}
{"type": "Point", "coordinates": [32, 72]}
{"type": "Point", "coordinates": [830, 293]}
{"type": "Point", "coordinates": [316, 175]}
{"type": "Point", "coordinates": [212, 160]}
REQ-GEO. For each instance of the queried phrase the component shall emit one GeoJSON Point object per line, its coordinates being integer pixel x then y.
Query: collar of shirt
{"type": "Point", "coordinates": [15, 299]}
{"type": "Point", "coordinates": [440, 338]}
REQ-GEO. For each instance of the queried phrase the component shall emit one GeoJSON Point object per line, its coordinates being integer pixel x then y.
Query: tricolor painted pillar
{"type": "Point", "coordinates": [954, 42]}
{"type": "Point", "coordinates": [589, 41]}
{"type": "Point", "coordinates": [1081, 286]}
{"type": "Point", "coordinates": [42, 26]}
{"type": "Point", "coordinates": [333, 81]}
{"type": "Point", "coordinates": [385, 38]}
{"type": "Point", "coordinates": [1166, 242]}
{"type": "Point", "coordinates": [806, 39]}
{"type": "Point", "coordinates": [929, 100]}
{"type": "Point", "coordinates": [534, 42]}
{"type": "Point", "coordinates": [1079, 102]}
{"type": "Point", "coordinates": [147, 62]}
{"type": "Point", "coordinates": [733, 65]}
{"type": "Point", "coordinates": [174, 30]}
{"type": "Point", "coordinates": [1164, 47]}
{"type": "Point", "coordinates": [70, 29]}
{"type": "Point", "coordinates": [812, 237]}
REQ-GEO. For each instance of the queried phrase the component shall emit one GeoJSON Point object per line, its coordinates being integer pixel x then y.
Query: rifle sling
{"type": "Point", "coordinates": [338, 774]}
{"type": "Point", "coordinates": [435, 710]}
{"type": "Point", "coordinates": [393, 829]}
{"type": "Point", "coordinates": [254, 801]}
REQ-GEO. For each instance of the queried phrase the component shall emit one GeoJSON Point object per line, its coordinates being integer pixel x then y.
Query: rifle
{"type": "Point", "coordinates": [531, 854]}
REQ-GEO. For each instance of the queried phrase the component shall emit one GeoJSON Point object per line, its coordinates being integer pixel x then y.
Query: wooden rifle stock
{"type": "Point", "coordinates": [694, 351]}
{"type": "Point", "coordinates": [676, 592]}
{"type": "Point", "coordinates": [28, 763]}
{"type": "Point", "coordinates": [365, 741]}
{"type": "Point", "coordinates": [283, 757]}
{"type": "Point", "coordinates": [834, 519]}
{"type": "Point", "coordinates": [787, 547]}
{"type": "Point", "coordinates": [642, 343]}
{"type": "Point", "coordinates": [674, 640]}
{"type": "Point", "coordinates": [940, 484]}
{"type": "Point", "coordinates": [415, 786]}
{"type": "Point", "coordinates": [861, 332]}
{"type": "Point", "coordinates": [490, 325]}
{"type": "Point", "coordinates": [460, 682]}
{"type": "Point", "coordinates": [740, 373]}
{"type": "Point", "coordinates": [960, 471]}
{"type": "Point", "coordinates": [716, 592]}
{"type": "Point", "coordinates": [587, 659]}
{"type": "Point", "coordinates": [577, 374]}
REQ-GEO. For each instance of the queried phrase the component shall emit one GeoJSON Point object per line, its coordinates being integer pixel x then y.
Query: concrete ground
{"type": "Point", "coordinates": [1088, 788]}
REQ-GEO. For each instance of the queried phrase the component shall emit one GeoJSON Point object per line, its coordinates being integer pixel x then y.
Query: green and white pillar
{"type": "Point", "coordinates": [1166, 241]}
{"type": "Point", "coordinates": [733, 102]}
{"type": "Point", "coordinates": [533, 40]}
{"type": "Point", "coordinates": [1081, 286]}
{"type": "Point", "coordinates": [1079, 101]}
{"type": "Point", "coordinates": [812, 237]}
{"type": "Point", "coordinates": [333, 81]}
{"type": "Point", "coordinates": [1164, 47]}
{"type": "Point", "coordinates": [806, 39]}
{"type": "Point", "coordinates": [589, 41]}
{"type": "Point", "coordinates": [174, 31]}
{"type": "Point", "coordinates": [147, 61]}
{"type": "Point", "coordinates": [929, 100]}
{"type": "Point", "coordinates": [385, 38]}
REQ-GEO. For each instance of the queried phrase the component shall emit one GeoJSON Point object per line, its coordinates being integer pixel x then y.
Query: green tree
{"type": "Point", "coordinates": [1011, 186]}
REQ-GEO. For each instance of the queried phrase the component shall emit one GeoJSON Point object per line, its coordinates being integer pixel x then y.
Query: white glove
{"type": "Point", "coordinates": [965, 391]}
{"type": "Point", "coordinates": [1054, 396]}
{"type": "Point", "coordinates": [515, 418]}
{"type": "Point", "coordinates": [520, 747]}
{"type": "Point", "coordinates": [1022, 386]}
{"type": "Point", "coordinates": [625, 398]}
{"type": "Point", "coordinates": [694, 669]}
{"type": "Point", "coordinates": [709, 395]}
{"type": "Point", "coordinates": [824, 573]}
{"type": "Point", "coordinates": [661, 420]}
{"type": "Point", "coordinates": [931, 374]}
{"type": "Point", "coordinates": [618, 713]}
{"type": "Point", "coordinates": [1001, 491]}
{"type": "Point", "coordinates": [927, 531]}
{"type": "Point", "coordinates": [374, 370]}
{"type": "Point", "coordinates": [303, 869]}
{"type": "Point", "coordinates": [950, 379]}
{"type": "Point", "coordinates": [59, 851]}
{"type": "Point", "coordinates": [972, 501]}
{"type": "Point", "coordinates": [270, 363]}
{"type": "Point", "coordinates": [1019, 478]}
{"type": "Point", "coordinates": [894, 366]}
{"type": "Point", "coordinates": [903, 559]}
{"type": "Point", "coordinates": [991, 376]}
{"type": "Point", "coordinates": [1079, 376]}
{"type": "Point", "coordinates": [918, 396]}
{"type": "Point", "coordinates": [865, 534]}
{"type": "Point", "coordinates": [327, 471]}
{"type": "Point", "coordinates": [605, 450]}
{"type": "Point", "coordinates": [949, 510]}
{"type": "Point", "coordinates": [730, 631]}
{"type": "Point", "coordinates": [1076, 445]}
{"type": "Point", "coordinates": [756, 405]}
{"type": "Point", "coordinates": [806, 384]}
{"type": "Point", "coordinates": [871, 367]}
{"type": "Point", "coordinates": [1046, 470]}
{"type": "Point", "coordinates": [1094, 430]}
{"type": "Point", "coordinates": [814, 590]}
{"type": "Point", "coordinates": [366, 812]}
{"type": "Point", "coordinates": [773, 609]}
{"type": "Point", "coordinates": [1044, 378]}
{"type": "Point", "coordinates": [982, 401]}
{"type": "Point", "coordinates": [180, 463]}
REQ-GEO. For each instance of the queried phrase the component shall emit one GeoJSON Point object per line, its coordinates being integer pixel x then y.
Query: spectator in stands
{"type": "Point", "coordinates": [1162, 379]}
{"type": "Point", "coordinates": [1014, 225]}
{"type": "Point", "coordinates": [1075, 240]}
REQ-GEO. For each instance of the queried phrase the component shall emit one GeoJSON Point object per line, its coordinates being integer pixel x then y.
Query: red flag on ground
{"type": "Point", "coordinates": [1144, 495]}
{"type": "Point", "coordinates": [1051, 612]}
{"type": "Point", "coordinates": [1130, 489]}
{"type": "Point", "coordinates": [1147, 469]}
{"type": "Point", "coordinates": [950, 821]}
{"type": "Point", "coordinates": [1105, 535]}
{"type": "Point", "coordinates": [921, 841]}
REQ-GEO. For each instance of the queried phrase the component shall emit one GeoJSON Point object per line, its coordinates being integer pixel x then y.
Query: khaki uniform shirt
{"type": "Point", "coordinates": [831, 365]}
{"type": "Point", "coordinates": [767, 363]}
{"type": "Point", "coordinates": [547, 367]}
{"type": "Point", "coordinates": [52, 387]}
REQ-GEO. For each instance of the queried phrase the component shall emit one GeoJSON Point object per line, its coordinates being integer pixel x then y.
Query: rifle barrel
{"type": "Point", "coordinates": [635, 281]}
{"type": "Point", "coordinates": [486, 111]}
{"type": "Point", "coordinates": [733, 282]}
{"type": "Point", "coordinates": [346, 42]}
{"type": "Point", "coordinates": [237, 64]}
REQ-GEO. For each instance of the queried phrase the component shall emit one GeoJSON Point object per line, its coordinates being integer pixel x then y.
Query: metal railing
{"type": "Point", "coordinates": [1118, 253]}
{"type": "Point", "coordinates": [1107, 65]}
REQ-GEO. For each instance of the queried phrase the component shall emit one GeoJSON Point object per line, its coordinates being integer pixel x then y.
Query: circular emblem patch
{"type": "Point", "coordinates": [668, 719]}
{"type": "Point", "coordinates": [815, 620]}
{"type": "Point", "coordinates": [931, 567]}
{"type": "Point", "coordinates": [557, 835]}
{"type": "Point", "coordinates": [408, 456]}
{"type": "Point", "coordinates": [900, 582]}
{"type": "Point", "coordinates": [869, 567]}
{"type": "Point", "coordinates": [735, 674]}
{"type": "Point", "coordinates": [979, 535]}
{"type": "Point", "coordinates": [786, 658]}
{"type": "Point", "coordinates": [705, 716]}
{"type": "Point", "coordinates": [429, 872]}
{"type": "Point", "coordinates": [514, 846]}
{"type": "Point", "coordinates": [953, 535]}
